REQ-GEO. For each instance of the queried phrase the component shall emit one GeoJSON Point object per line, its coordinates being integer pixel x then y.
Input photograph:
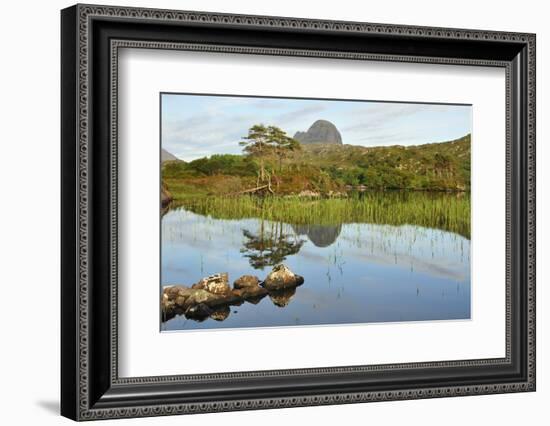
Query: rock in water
{"type": "Point", "coordinates": [216, 284]}
{"type": "Point", "coordinates": [246, 281]}
{"type": "Point", "coordinates": [200, 295]}
{"type": "Point", "coordinates": [248, 288]}
{"type": "Point", "coordinates": [212, 296]}
{"type": "Point", "coordinates": [282, 277]}
{"type": "Point", "coordinates": [251, 294]}
{"type": "Point", "coordinates": [322, 131]}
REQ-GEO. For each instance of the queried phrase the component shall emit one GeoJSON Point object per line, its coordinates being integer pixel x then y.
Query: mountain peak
{"type": "Point", "coordinates": [322, 131]}
{"type": "Point", "coordinates": [167, 156]}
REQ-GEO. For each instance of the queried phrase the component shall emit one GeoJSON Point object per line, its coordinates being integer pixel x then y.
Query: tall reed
{"type": "Point", "coordinates": [450, 212]}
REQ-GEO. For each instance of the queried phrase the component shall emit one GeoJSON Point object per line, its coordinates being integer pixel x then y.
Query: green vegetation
{"type": "Point", "coordinates": [290, 168]}
{"type": "Point", "coordinates": [232, 165]}
{"type": "Point", "coordinates": [263, 141]}
{"type": "Point", "coordinates": [450, 212]}
{"type": "Point", "coordinates": [279, 179]}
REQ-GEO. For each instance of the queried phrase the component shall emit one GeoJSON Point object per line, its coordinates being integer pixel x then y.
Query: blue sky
{"type": "Point", "coordinates": [195, 126]}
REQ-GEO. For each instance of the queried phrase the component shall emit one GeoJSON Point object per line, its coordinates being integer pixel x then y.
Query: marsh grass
{"type": "Point", "coordinates": [449, 212]}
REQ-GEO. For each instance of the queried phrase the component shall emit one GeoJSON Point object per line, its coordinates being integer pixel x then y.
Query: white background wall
{"type": "Point", "coordinates": [29, 225]}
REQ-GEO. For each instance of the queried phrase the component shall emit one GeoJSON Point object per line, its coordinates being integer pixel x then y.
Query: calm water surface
{"type": "Point", "coordinates": [354, 273]}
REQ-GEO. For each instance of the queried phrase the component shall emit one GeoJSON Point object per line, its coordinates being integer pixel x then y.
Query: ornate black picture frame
{"type": "Point", "coordinates": [91, 387]}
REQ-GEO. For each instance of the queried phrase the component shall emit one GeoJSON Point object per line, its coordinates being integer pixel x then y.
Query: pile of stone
{"type": "Point", "coordinates": [212, 296]}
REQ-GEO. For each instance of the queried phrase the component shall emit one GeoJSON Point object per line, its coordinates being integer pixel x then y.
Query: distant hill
{"type": "Point", "coordinates": [432, 166]}
{"type": "Point", "coordinates": [414, 158]}
{"type": "Point", "coordinates": [322, 131]}
{"type": "Point", "coordinates": [166, 156]}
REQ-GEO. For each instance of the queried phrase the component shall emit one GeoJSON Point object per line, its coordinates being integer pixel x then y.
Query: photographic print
{"type": "Point", "coordinates": [301, 212]}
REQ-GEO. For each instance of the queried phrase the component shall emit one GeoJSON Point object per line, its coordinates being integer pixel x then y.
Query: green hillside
{"type": "Point", "coordinates": [326, 170]}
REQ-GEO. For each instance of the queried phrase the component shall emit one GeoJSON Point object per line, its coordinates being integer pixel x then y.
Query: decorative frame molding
{"type": "Point", "coordinates": [91, 37]}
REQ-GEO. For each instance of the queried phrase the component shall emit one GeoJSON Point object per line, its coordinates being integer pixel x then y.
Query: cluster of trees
{"type": "Point", "coordinates": [434, 174]}
{"type": "Point", "coordinates": [263, 141]}
{"type": "Point", "coordinates": [229, 164]}
{"type": "Point", "coordinates": [440, 166]}
{"type": "Point", "coordinates": [379, 177]}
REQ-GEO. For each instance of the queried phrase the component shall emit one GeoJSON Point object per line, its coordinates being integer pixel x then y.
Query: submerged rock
{"type": "Point", "coordinates": [198, 312]}
{"type": "Point", "coordinates": [282, 277]}
{"type": "Point", "coordinates": [246, 281]}
{"type": "Point", "coordinates": [254, 300]}
{"type": "Point", "coordinates": [254, 294]}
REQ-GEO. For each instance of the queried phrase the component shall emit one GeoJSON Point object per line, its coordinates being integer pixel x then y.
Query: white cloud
{"type": "Point", "coordinates": [198, 126]}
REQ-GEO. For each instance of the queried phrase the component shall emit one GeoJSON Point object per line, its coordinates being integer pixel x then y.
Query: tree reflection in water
{"type": "Point", "coordinates": [269, 246]}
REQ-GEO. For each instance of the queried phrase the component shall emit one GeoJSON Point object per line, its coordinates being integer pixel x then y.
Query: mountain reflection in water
{"type": "Point", "coordinates": [320, 235]}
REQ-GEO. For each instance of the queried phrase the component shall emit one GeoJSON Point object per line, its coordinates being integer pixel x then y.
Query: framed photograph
{"type": "Point", "coordinates": [263, 212]}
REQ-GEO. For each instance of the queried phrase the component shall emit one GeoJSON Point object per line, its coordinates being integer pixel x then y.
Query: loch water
{"type": "Point", "coordinates": [353, 272]}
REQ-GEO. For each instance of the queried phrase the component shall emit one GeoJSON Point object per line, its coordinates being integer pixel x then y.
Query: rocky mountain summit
{"type": "Point", "coordinates": [322, 131]}
{"type": "Point", "coordinates": [167, 156]}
